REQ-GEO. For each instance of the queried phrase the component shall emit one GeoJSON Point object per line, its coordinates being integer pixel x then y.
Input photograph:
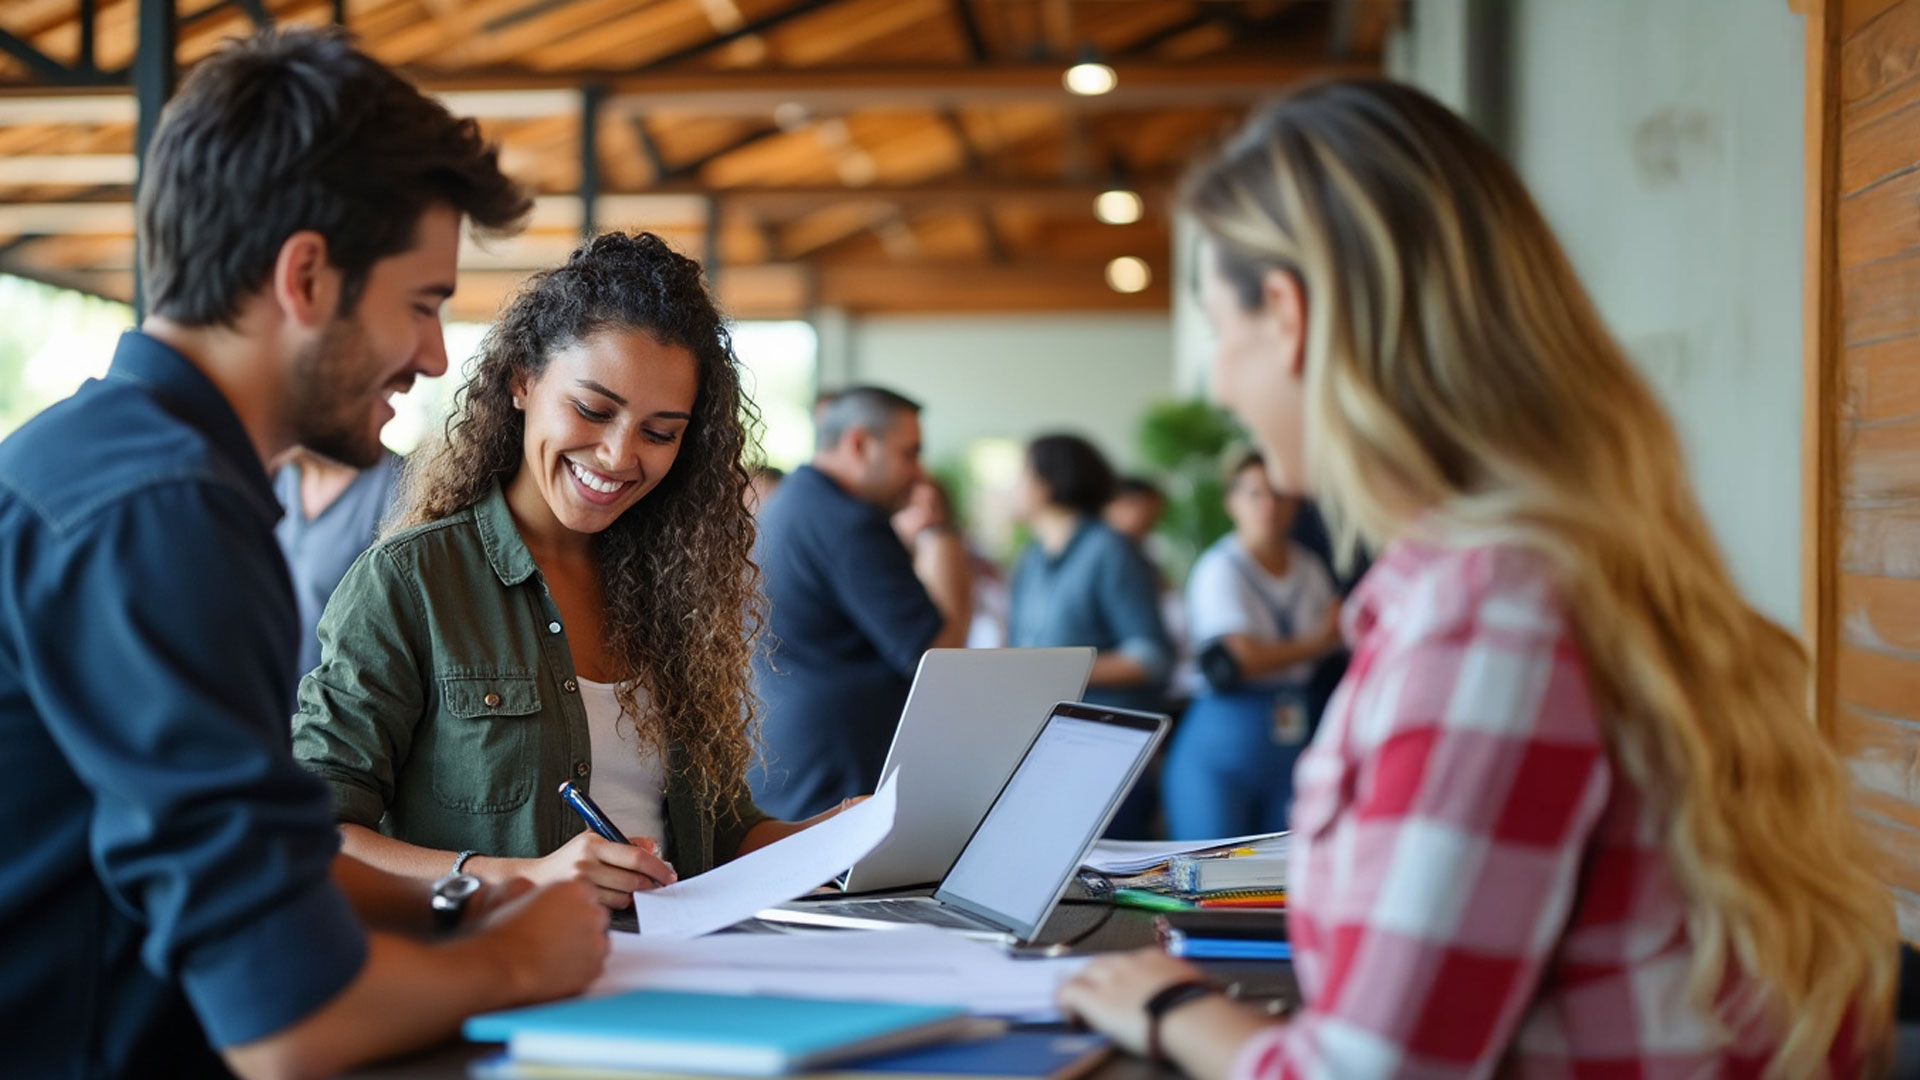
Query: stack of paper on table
{"type": "Point", "coordinates": [911, 965]}
{"type": "Point", "coordinates": [1123, 857]}
{"type": "Point", "coordinates": [1200, 874]}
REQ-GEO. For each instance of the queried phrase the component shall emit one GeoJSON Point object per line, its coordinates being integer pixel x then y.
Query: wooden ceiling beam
{"type": "Point", "coordinates": [969, 25]}
{"type": "Point", "coordinates": [734, 93]}
{"type": "Point", "coordinates": [549, 212]}
{"type": "Point", "coordinates": [28, 170]}
{"type": "Point", "coordinates": [521, 94]}
{"type": "Point", "coordinates": [672, 205]}
{"type": "Point", "coordinates": [970, 286]}
{"type": "Point", "coordinates": [781, 290]}
{"type": "Point", "coordinates": [851, 26]}
{"type": "Point", "coordinates": [747, 30]}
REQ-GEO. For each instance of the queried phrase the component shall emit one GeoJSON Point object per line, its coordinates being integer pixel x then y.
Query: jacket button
{"type": "Point", "coordinates": [580, 769]}
{"type": "Point", "coordinates": [553, 628]}
{"type": "Point", "coordinates": [492, 700]}
{"type": "Point", "coordinates": [570, 685]}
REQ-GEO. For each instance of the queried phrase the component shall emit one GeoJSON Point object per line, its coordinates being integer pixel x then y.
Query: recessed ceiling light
{"type": "Point", "coordinates": [792, 116]}
{"type": "Point", "coordinates": [1090, 78]}
{"type": "Point", "coordinates": [1118, 207]}
{"type": "Point", "coordinates": [1128, 274]}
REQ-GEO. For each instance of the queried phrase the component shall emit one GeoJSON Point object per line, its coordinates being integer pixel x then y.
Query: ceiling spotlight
{"type": "Point", "coordinates": [1128, 274]}
{"type": "Point", "coordinates": [856, 167]}
{"type": "Point", "coordinates": [1118, 207]}
{"type": "Point", "coordinates": [791, 116]}
{"type": "Point", "coordinates": [1090, 77]}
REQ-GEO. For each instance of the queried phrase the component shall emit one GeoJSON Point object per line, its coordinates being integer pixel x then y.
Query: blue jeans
{"type": "Point", "coordinates": [1226, 775]}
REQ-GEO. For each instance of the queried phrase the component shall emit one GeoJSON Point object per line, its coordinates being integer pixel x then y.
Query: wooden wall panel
{"type": "Point", "coordinates": [1863, 410]}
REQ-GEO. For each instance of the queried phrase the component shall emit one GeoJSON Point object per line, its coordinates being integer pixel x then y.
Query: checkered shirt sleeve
{"type": "Point", "coordinates": [1441, 822]}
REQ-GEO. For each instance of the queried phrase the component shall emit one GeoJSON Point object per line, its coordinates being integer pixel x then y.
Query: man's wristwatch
{"type": "Point", "coordinates": [451, 893]}
{"type": "Point", "coordinates": [1168, 999]}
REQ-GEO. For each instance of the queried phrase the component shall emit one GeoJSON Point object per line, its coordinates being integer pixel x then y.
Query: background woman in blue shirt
{"type": "Point", "coordinates": [1081, 583]}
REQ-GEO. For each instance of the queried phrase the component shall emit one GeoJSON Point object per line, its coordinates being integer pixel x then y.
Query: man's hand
{"type": "Point", "coordinates": [551, 941]}
{"type": "Point", "coordinates": [492, 898]}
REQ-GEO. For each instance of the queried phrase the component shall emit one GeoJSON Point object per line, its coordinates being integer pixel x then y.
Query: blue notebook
{"type": "Point", "coordinates": [664, 1031]}
{"type": "Point", "coordinates": [1012, 1055]}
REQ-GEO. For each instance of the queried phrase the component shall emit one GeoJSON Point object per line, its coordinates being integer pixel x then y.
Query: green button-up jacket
{"type": "Point", "coordinates": [445, 711]}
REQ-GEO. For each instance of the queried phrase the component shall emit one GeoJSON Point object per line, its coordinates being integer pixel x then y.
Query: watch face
{"type": "Point", "coordinates": [455, 889]}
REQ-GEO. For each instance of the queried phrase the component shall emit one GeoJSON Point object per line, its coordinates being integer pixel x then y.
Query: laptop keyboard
{"type": "Point", "coordinates": [923, 912]}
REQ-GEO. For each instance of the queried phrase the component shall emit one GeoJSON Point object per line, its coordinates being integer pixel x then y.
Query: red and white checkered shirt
{"type": "Point", "coordinates": [1477, 890]}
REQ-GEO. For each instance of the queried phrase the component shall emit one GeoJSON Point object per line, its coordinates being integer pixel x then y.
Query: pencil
{"type": "Point", "coordinates": [1256, 900]}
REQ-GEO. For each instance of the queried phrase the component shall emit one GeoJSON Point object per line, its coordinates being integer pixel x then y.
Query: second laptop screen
{"type": "Point", "coordinates": [1033, 837]}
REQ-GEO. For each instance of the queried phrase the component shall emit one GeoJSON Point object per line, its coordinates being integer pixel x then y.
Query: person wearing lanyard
{"type": "Point", "coordinates": [1567, 814]}
{"type": "Point", "coordinates": [1263, 609]}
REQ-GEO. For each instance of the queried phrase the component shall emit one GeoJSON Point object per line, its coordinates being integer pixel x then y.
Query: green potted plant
{"type": "Point", "coordinates": [1184, 442]}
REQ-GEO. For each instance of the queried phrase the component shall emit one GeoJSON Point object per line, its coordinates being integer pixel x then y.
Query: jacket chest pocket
{"type": "Point", "coordinates": [486, 742]}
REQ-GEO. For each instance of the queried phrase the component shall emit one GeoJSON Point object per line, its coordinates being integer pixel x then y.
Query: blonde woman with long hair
{"type": "Point", "coordinates": [1567, 816]}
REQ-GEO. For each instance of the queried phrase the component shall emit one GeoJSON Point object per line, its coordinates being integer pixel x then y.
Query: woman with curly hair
{"type": "Point", "coordinates": [566, 596]}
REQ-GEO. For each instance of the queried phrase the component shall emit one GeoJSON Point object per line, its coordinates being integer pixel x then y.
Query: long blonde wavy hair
{"type": "Point", "coordinates": [1454, 367]}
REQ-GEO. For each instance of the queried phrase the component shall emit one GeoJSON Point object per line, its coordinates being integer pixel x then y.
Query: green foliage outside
{"type": "Point", "coordinates": [50, 341]}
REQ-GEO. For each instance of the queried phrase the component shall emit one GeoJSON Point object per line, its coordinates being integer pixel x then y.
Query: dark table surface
{"type": "Point", "coordinates": [1105, 929]}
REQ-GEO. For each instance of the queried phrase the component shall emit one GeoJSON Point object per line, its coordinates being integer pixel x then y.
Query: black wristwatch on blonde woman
{"type": "Point", "coordinates": [1165, 1001]}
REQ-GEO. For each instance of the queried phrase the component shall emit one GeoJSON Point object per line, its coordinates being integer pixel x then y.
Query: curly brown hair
{"type": "Point", "coordinates": [676, 569]}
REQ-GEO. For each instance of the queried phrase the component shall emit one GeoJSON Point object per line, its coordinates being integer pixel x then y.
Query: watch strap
{"type": "Point", "coordinates": [1164, 1001]}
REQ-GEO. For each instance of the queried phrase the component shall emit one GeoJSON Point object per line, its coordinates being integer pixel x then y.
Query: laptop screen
{"type": "Point", "coordinates": [1063, 794]}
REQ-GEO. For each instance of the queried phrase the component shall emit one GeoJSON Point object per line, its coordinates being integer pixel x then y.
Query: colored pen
{"type": "Point", "coordinates": [1258, 900]}
{"type": "Point", "coordinates": [597, 820]}
{"type": "Point", "coordinates": [591, 814]}
{"type": "Point", "coordinates": [1150, 900]}
{"type": "Point", "coordinates": [1229, 949]}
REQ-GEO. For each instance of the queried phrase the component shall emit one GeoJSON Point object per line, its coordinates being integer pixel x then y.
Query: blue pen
{"type": "Point", "coordinates": [597, 820]}
{"type": "Point", "coordinates": [591, 814]}
{"type": "Point", "coordinates": [1229, 949]}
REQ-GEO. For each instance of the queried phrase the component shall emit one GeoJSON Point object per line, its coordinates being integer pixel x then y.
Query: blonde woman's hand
{"type": "Point", "coordinates": [616, 871]}
{"type": "Point", "coordinates": [1110, 994]}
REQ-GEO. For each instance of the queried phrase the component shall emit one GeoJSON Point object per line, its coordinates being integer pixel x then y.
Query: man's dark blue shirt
{"type": "Point", "coordinates": [847, 621]}
{"type": "Point", "coordinates": [164, 868]}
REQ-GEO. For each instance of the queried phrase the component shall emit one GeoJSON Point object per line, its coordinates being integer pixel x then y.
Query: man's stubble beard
{"type": "Point", "coordinates": [330, 398]}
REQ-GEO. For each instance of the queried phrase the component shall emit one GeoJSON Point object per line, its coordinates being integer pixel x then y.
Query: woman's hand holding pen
{"type": "Point", "coordinates": [615, 871]}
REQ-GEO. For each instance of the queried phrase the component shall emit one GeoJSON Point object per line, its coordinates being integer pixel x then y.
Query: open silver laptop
{"type": "Point", "coordinates": [1017, 864]}
{"type": "Point", "coordinates": [969, 717]}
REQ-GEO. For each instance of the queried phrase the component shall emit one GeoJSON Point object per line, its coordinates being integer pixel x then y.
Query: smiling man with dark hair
{"type": "Point", "coordinates": [171, 893]}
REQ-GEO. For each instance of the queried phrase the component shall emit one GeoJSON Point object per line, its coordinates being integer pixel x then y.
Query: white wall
{"type": "Point", "coordinates": [1015, 376]}
{"type": "Point", "coordinates": [1662, 139]}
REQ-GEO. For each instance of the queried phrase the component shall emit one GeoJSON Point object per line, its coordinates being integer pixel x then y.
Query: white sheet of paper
{"type": "Point", "coordinates": [770, 876]}
{"type": "Point", "coordinates": [1134, 856]}
{"type": "Point", "coordinates": [915, 965]}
